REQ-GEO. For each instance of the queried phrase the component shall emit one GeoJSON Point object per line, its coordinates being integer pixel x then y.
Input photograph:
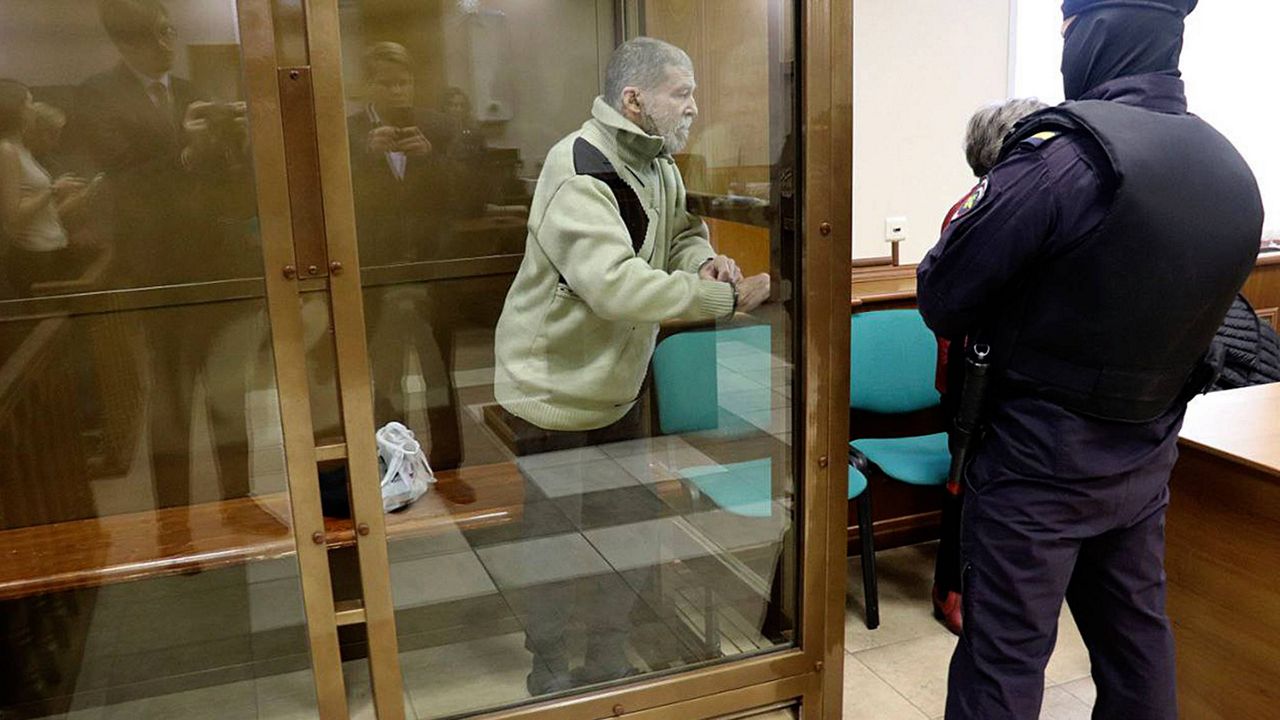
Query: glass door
{"type": "Point", "coordinates": [621, 465]}
{"type": "Point", "coordinates": [241, 238]}
{"type": "Point", "coordinates": [156, 533]}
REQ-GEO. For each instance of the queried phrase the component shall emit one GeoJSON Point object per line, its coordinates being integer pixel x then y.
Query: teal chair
{"type": "Point", "coordinates": [892, 361]}
{"type": "Point", "coordinates": [687, 373]}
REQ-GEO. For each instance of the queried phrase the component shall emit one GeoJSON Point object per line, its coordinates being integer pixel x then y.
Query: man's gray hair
{"type": "Point", "coordinates": [641, 62]}
{"type": "Point", "coordinates": [988, 128]}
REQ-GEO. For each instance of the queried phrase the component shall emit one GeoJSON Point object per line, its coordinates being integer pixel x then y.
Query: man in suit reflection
{"type": "Point", "coordinates": [398, 169]}
{"type": "Point", "coordinates": [180, 210]}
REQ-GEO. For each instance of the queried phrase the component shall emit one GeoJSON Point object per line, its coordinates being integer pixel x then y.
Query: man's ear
{"type": "Point", "coordinates": [631, 100]}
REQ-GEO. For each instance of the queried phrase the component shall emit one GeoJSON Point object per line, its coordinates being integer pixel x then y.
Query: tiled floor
{"type": "Point", "coordinates": [230, 643]}
{"type": "Point", "coordinates": [899, 671]}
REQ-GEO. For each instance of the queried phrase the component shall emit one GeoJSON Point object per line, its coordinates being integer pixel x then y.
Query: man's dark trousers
{"type": "Point", "coordinates": [1030, 542]}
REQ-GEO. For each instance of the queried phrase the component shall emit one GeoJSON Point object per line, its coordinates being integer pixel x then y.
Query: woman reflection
{"type": "Point", "coordinates": [33, 204]}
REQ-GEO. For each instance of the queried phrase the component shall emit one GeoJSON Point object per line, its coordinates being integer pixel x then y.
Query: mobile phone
{"type": "Point", "coordinates": [400, 117]}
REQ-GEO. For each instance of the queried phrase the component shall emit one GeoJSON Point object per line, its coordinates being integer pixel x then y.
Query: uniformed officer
{"type": "Point", "coordinates": [1096, 259]}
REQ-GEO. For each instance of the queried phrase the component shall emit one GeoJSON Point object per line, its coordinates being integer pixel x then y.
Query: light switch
{"type": "Point", "coordinates": [895, 229]}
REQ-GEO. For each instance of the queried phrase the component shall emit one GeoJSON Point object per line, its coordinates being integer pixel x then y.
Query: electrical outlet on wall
{"type": "Point", "coordinates": [895, 229]}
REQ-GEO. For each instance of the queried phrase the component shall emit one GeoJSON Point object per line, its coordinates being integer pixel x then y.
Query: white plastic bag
{"type": "Point", "coordinates": [406, 474]}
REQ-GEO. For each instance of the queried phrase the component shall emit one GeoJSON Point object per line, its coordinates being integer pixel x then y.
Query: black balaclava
{"type": "Point", "coordinates": [1112, 39]}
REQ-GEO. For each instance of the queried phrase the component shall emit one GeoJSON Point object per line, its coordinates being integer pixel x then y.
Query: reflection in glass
{"type": "Point", "coordinates": [645, 524]}
{"type": "Point", "coordinates": [148, 567]}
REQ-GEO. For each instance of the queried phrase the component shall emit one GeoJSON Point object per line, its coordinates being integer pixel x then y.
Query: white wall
{"type": "Point", "coordinates": [1228, 60]}
{"type": "Point", "coordinates": [920, 69]}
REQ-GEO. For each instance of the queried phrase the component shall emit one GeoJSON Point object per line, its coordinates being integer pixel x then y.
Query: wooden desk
{"type": "Point", "coordinates": [1223, 545]}
{"type": "Point", "coordinates": [883, 288]}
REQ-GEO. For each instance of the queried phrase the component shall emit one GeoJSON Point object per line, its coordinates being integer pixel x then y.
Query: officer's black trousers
{"type": "Point", "coordinates": [1031, 542]}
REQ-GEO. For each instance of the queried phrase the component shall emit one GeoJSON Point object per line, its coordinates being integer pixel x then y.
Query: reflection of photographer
{"type": "Point", "coordinates": [401, 199]}
{"type": "Point", "coordinates": [175, 165]}
{"type": "Point", "coordinates": [179, 205]}
{"type": "Point", "coordinates": [396, 163]}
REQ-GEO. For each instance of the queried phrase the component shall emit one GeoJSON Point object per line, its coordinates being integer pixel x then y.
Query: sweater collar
{"type": "Point", "coordinates": [635, 146]}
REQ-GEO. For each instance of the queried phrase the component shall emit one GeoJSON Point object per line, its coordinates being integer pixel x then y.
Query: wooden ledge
{"type": "Point", "coordinates": [122, 548]}
{"type": "Point", "coordinates": [882, 285]}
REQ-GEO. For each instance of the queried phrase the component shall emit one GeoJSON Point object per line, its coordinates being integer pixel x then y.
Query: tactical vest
{"type": "Point", "coordinates": [1114, 326]}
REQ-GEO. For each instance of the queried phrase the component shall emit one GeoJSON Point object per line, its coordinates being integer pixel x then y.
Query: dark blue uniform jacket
{"type": "Point", "coordinates": [1044, 196]}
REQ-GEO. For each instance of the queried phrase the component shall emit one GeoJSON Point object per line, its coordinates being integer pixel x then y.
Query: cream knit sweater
{"type": "Point", "coordinates": [578, 328]}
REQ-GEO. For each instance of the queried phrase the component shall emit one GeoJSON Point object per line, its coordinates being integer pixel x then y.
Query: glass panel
{"type": "Point", "coordinates": [148, 554]}
{"type": "Point", "coordinates": [621, 500]}
{"type": "Point", "coordinates": [322, 368]}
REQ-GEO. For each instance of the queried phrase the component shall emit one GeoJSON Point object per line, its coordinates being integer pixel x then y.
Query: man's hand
{"type": "Point", "coordinates": [413, 142]}
{"type": "Point", "coordinates": [195, 122]}
{"type": "Point", "coordinates": [382, 140]}
{"type": "Point", "coordinates": [752, 292]}
{"type": "Point", "coordinates": [721, 268]}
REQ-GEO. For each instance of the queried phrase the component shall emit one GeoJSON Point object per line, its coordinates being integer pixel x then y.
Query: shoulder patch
{"type": "Point", "coordinates": [972, 202]}
{"type": "Point", "coordinates": [1041, 138]}
{"type": "Point", "coordinates": [588, 160]}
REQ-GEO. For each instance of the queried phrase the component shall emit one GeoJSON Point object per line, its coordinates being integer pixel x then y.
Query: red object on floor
{"type": "Point", "coordinates": [948, 611]}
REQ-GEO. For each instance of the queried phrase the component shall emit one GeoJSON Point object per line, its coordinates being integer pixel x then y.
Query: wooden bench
{"type": "Point", "coordinates": [121, 548]}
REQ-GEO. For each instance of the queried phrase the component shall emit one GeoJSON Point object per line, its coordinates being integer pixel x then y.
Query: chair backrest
{"type": "Point", "coordinates": [690, 367]}
{"type": "Point", "coordinates": [892, 361]}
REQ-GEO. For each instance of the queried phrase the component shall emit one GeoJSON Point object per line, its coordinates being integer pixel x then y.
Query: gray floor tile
{"type": "Point", "coordinates": [575, 456]}
{"type": "Point", "coordinates": [439, 579]}
{"type": "Point", "coordinates": [469, 676]}
{"type": "Point", "coordinates": [911, 651]}
{"type": "Point", "coordinates": [275, 604]}
{"type": "Point", "coordinates": [1070, 659]}
{"type": "Point", "coordinates": [917, 669]}
{"type": "Point", "coordinates": [730, 531]}
{"type": "Point", "coordinates": [539, 518]}
{"type": "Point", "coordinates": [905, 577]}
{"type": "Point", "coordinates": [450, 540]}
{"type": "Point", "coordinates": [1083, 689]}
{"type": "Point", "coordinates": [580, 478]}
{"type": "Point", "coordinates": [867, 697]}
{"type": "Point", "coordinates": [236, 701]}
{"type": "Point", "coordinates": [542, 560]}
{"type": "Point", "coordinates": [289, 696]}
{"type": "Point", "coordinates": [644, 446]}
{"type": "Point", "coordinates": [664, 463]}
{"type": "Point", "coordinates": [646, 544]}
{"type": "Point", "coordinates": [1059, 704]}
{"type": "Point", "coordinates": [608, 508]}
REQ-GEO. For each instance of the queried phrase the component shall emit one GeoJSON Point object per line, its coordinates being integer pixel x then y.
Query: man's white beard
{"type": "Point", "coordinates": [674, 133]}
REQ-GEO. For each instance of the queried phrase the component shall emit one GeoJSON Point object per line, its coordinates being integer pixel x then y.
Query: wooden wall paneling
{"type": "Point", "coordinates": [1262, 289]}
{"type": "Point", "coordinates": [747, 244]}
{"type": "Point", "coordinates": [728, 42]}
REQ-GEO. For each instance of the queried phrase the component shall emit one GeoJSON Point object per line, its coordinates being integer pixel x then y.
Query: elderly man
{"type": "Point", "coordinates": [1096, 260]}
{"type": "Point", "coordinates": [611, 253]}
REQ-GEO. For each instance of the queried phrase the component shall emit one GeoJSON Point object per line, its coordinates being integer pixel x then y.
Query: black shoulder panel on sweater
{"type": "Point", "coordinates": [588, 160]}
